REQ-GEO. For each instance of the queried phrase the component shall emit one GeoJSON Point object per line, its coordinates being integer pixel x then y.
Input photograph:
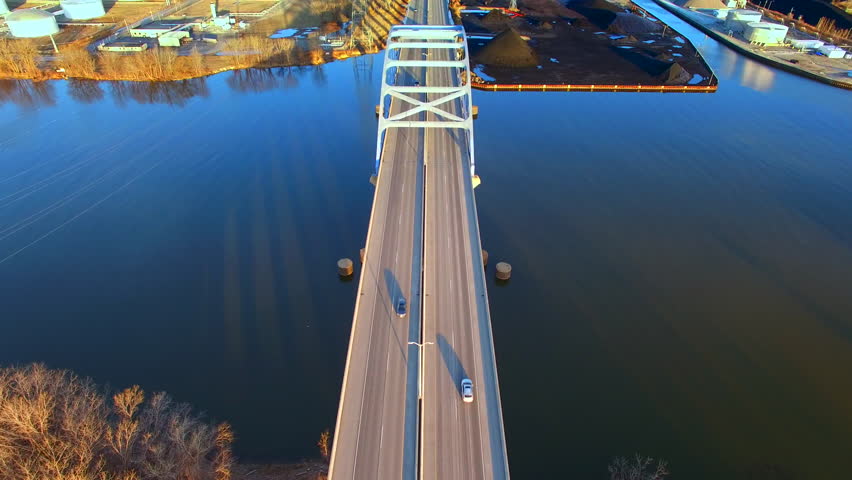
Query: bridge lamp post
{"type": "Point", "coordinates": [420, 366]}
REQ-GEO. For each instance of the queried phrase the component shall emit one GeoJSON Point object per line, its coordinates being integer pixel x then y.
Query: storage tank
{"type": "Point", "coordinates": [31, 23]}
{"type": "Point", "coordinates": [3, 7]}
{"type": "Point", "coordinates": [737, 19]}
{"type": "Point", "coordinates": [765, 33]}
{"type": "Point", "coordinates": [82, 9]}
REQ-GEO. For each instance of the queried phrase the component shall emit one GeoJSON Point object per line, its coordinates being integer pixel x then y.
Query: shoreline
{"type": "Point", "coordinates": [730, 43]}
{"type": "Point", "coordinates": [61, 74]}
{"type": "Point", "coordinates": [644, 69]}
{"type": "Point", "coordinates": [302, 470]}
{"type": "Point", "coordinates": [594, 88]}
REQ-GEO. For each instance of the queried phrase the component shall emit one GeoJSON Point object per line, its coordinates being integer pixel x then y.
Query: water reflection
{"type": "Point", "coordinates": [27, 94]}
{"type": "Point", "coordinates": [254, 80]}
{"type": "Point", "coordinates": [757, 76]}
{"type": "Point", "coordinates": [85, 91]}
{"type": "Point", "coordinates": [169, 93]}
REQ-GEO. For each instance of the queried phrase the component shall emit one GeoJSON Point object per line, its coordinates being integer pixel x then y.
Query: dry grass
{"type": "Point", "coordinates": [202, 9]}
{"type": "Point", "coordinates": [57, 426]}
{"type": "Point", "coordinates": [120, 12]}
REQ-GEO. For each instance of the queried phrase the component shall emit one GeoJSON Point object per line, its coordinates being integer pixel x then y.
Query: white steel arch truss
{"type": "Point", "coordinates": [427, 38]}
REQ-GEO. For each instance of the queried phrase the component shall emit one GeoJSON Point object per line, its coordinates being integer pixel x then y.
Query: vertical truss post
{"type": "Point", "coordinates": [426, 38]}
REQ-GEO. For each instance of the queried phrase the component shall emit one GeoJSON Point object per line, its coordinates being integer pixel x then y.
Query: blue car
{"type": "Point", "coordinates": [400, 307]}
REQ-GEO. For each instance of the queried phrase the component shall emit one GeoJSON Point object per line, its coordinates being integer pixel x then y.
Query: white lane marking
{"type": "Point", "coordinates": [382, 434]}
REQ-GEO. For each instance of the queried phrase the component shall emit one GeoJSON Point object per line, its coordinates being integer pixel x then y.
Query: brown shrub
{"type": "Point", "coordinates": [57, 426]}
{"type": "Point", "coordinates": [77, 63]}
{"type": "Point", "coordinates": [19, 58]}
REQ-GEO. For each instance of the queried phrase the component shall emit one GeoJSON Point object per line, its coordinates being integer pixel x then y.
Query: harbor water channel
{"type": "Point", "coordinates": [681, 262]}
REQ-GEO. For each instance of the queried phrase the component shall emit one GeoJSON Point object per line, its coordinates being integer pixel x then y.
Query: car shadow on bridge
{"type": "Point", "coordinates": [451, 361]}
{"type": "Point", "coordinates": [393, 289]}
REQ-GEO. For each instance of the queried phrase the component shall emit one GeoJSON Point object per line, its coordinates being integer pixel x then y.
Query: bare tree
{"type": "Point", "coordinates": [56, 426]}
{"type": "Point", "coordinates": [637, 468]}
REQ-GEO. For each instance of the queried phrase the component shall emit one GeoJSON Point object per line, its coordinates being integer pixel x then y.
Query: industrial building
{"type": "Point", "coordinates": [124, 46]}
{"type": "Point", "coordinates": [155, 29]}
{"type": "Point", "coordinates": [173, 38]}
{"type": "Point", "coordinates": [31, 23]}
{"type": "Point", "coordinates": [765, 33]}
{"type": "Point", "coordinates": [806, 44]}
{"type": "Point", "coordinates": [82, 9]}
{"type": "Point", "coordinates": [832, 51]}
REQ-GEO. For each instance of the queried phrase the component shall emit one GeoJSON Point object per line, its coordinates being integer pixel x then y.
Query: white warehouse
{"type": "Point", "coordinates": [82, 9]}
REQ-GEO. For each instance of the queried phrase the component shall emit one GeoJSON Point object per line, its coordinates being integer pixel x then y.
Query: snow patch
{"type": "Point", "coordinates": [286, 33]}
{"type": "Point", "coordinates": [478, 71]}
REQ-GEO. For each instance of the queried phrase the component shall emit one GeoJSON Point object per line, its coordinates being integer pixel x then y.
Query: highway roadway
{"type": "Point", "coordinates": [459, 440]}
{"type": "Point", "coordinates": [423, 228]}
{"type": "Point", "coordinates": [377, 425]}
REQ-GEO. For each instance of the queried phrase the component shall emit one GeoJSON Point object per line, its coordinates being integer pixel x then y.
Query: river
{"type": "Point", "coordinates": [681, 262]}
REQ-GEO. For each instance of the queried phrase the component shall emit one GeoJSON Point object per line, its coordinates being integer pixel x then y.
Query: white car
{"type": "Point", "coordinates": [467, 390]}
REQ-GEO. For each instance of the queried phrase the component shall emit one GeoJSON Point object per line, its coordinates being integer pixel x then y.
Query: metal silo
{"type": "Point", "coordinates": [82, 9]}
{"type": "Point", "coordinates": [31, 23]}
{"type": "Point", "coordinates": [3, 7]}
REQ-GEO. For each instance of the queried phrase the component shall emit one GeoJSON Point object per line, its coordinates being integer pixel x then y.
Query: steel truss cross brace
{"type": "Point", "coordinates": [426, 38]}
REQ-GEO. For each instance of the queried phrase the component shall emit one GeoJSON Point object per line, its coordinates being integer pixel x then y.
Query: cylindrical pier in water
{"type": "Point", "coordinates": [485, 258]}
{"type": "Point", "coordinates": [504, 271]}
{"type": "Point", "coordinates": [344, 267]}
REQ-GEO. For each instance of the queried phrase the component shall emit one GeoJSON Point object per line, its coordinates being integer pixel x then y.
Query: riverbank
{"type": "Point", "coordinates": [584, 45]}
{"type": "Point", "coordinates": [277, 34]}
{"type": "Point", "coordinates": [306, 470]}
{"type": "Point", "coordinates": [782, 57]}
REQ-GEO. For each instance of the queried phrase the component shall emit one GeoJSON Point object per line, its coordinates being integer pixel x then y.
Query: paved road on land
{"type": "Point", "coordinates": [459, 440]}
{"type": "Point", "coordinates": [376, 433]}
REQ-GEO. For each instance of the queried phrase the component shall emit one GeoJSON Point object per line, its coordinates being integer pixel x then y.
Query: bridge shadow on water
{"type": "Point", "coordinates": [452, 362]}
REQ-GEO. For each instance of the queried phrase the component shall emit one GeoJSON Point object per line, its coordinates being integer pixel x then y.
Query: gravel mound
{"type": "Point", "coordinates": [630, 24]}
{"type": "Point", "coordinates": [495, 18]}
{"type": "Point", "coordinates": [508, 50]}
{"type": "Point", "coordinates": [675, 75]}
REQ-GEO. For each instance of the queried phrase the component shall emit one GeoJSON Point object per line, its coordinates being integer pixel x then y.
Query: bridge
{"type": "Point", "coordinates": [401, 413]}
